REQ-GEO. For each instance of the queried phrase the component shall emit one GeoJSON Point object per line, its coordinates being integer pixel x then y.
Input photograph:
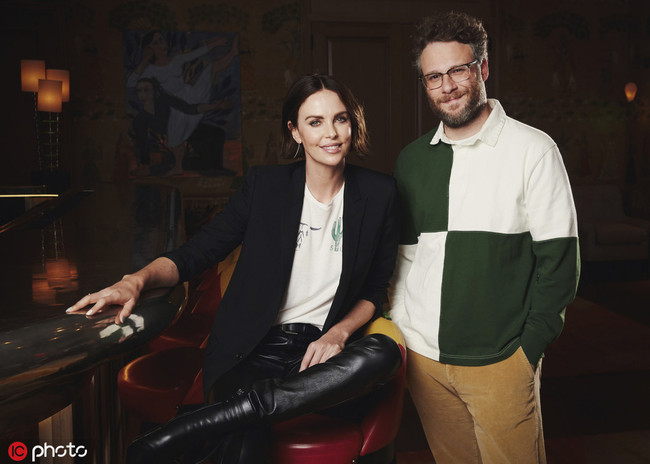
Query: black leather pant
{"type": "Point", "coordinates": [266, 389]}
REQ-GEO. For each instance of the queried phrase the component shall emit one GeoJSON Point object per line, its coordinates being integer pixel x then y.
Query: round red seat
{"type": "Point", "coordinates": [193, 327]}
{"type": "Point", "coordinates": [154, 386]}
{"type": "Point", "coordinates": [189, 331]}
{"type": "Point", "coordinates": [316, 439]}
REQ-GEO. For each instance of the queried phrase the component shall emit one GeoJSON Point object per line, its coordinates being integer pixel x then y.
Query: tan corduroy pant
{"type": "Point", "coordinates": [486, 414]}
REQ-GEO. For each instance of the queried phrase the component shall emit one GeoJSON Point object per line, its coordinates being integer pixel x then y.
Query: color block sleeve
{"type": "Point", "coordinates": [408, 240]}
{"type": "Point", "coordinates": [406, 197]}
{"type": "Point", "coordinates": [553, 226]}
{"type": "Point", "coordinates": [397, 290]}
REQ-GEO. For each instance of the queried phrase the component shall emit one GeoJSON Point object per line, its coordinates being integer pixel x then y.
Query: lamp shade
{"type": "Point", "coordinates": [630, 91]}
{"type": "Point", "coordinates": [49, 95]}
{"type": "Point", "coordinates": [63, 76]}
{"type": "Point", "coordinates": [30, 72]}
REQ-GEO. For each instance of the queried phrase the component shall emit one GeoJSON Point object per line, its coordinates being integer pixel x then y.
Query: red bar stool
{"type": "Point", "coordinates": [148, 391]}
{"type": "Point", "coordinates": [193, 326]}
{"type": "Point", "coordinates": [154, 386]}
{"type": "Point", "coordinates": [319, 439]}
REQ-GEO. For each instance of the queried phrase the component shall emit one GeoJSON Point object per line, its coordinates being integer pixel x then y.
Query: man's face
{"type": "Point", "coordinates": [455, 103]}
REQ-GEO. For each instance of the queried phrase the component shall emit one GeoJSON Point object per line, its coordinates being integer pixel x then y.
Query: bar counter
{"type": "Point", "coordinates": [50, 257]}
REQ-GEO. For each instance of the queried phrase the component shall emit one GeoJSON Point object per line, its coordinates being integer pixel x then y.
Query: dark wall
{"type": "Point", "coordinates": [557, 65]}
{"type": "Point", "coordinates": [563, 67]}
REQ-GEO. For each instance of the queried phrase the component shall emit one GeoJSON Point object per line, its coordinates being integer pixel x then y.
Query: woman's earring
{"type": "Point", "coordinates": [297, 150]}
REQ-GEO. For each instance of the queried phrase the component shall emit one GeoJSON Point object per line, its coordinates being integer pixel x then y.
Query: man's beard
{"type": "Point", "coordinates": [472, 109]}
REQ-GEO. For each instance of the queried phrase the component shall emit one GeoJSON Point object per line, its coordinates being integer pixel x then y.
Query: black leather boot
{"type": "Point", "coordinates": [187, 433]}
{"type": "Point", "coordinates": [355, 371]}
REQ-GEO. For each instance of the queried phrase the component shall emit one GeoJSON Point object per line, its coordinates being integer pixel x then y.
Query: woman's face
{"type": "Point", "coordinates": [145, 92]}
{"type": "Point", "coordinates": [158, 45]}
{"type": "Point", "coordinates": [323, 127]}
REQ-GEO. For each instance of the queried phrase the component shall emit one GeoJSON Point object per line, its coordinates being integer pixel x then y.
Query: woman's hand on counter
{"type": "Point", "coordinates": [161, 272]}
{"type": "Point", "coordinates": [124, 293]}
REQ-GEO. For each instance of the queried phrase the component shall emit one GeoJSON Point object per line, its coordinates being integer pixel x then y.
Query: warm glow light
{"type": "Point", "coordinates": [50, 95]}
{"type": "Point", "coordinates": [630, 91]}
{"type": "Point", "coordinates": [60, 276]}
{"type": "Point", "coordinates": [30, 72]}
{"type": "Point", "coordinates": [58, 273]}
{"type": "Point", "coordinates": [63, 76]}
{"type": "Point", "coordinates": [29, 195]}
{"type": "Point", "coordinates": [41, 291]}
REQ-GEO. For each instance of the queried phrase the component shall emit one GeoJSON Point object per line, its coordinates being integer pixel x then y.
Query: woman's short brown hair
{"type": "Point", "coordinates": [302, 89]}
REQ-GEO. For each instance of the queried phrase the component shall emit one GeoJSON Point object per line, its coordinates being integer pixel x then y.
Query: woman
{"type": "Point", "coordinates": [286, 338]}
{"type": "Point", "coordinates": [169, 71]}
{"type": "Point", "coordinates": [150, 132]}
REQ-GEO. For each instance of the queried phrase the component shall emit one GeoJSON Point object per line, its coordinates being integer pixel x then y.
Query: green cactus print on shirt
{"type": "Point", "coordinates": [337, 233]}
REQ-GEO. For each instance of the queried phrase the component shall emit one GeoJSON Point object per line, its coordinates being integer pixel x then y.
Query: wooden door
{"type": "Point", "coordinates": [367, 45]}
{"type": "Point", "coordinates": [373, 60]}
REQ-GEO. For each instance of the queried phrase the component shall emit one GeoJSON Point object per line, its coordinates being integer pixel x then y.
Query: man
{"type": "Point", "coordinates": [488, 257]}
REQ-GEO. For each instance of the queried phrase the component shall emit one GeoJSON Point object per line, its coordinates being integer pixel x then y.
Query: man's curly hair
{"type": "Point", "coordinates": [450, 27]}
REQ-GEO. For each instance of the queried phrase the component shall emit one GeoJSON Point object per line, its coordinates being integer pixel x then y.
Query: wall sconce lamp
{"type": "Point", "coordinates": [50, 96]}
{"type": "Point", "coordinates": [63, 76]}
{"type": "Point", "coordinates": [51, 88]}
{"type": "Point", "coordinates": [30, 72]}
{"type": "Point", "coordinates": [630, 91]}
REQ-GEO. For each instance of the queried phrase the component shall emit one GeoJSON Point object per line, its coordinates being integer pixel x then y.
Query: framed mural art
{"type": "Point", "coordinates": [183, 103]}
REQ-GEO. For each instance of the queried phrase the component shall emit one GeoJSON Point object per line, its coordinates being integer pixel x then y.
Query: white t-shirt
{"type": "Point", "coordinates": [317, 262]}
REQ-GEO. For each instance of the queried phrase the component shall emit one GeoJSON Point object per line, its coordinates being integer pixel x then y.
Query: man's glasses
{"type": "Point", "coordinates": [459, 73]}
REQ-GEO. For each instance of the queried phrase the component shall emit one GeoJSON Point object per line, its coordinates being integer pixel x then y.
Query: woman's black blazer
{"type": "Point", "coordinates": [264, 216]}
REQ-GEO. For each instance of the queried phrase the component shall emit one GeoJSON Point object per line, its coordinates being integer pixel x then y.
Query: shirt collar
{"type": "Point", "coordinates": [489, 133]}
